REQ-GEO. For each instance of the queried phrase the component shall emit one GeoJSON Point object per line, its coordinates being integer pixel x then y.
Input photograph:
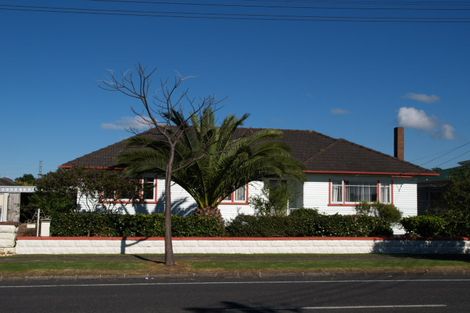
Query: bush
{"type": "Point", "coordinates": [273, 200]}
{"type": "Point", "coordinates": [302, 222]}
{"type": "Point", "coordinates": [387, 212]}
{"type": "Point", "coordinates": [458, 223]}
{"type": "Point", "coordinates": [258, 226]}
{"type": "Point", "coordinates": [305, 222]}
{"type": "Point", "coordinates": [338, 226]}
{"type": "Point", "coordinates": [197, 226]}
{"type": "Point", "coordinates": [139, 225]}
{"type": "Point", "coordinates": [426, 226]}
{"type": "Point", "coordinates": [304, 213]}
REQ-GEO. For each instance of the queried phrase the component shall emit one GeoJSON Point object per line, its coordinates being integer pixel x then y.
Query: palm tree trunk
{"type": "Point", "coordinates": [209, 211]}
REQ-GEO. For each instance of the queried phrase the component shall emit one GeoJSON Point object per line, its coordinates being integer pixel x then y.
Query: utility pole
{"type": "Point", "coordinates": [40, 169]}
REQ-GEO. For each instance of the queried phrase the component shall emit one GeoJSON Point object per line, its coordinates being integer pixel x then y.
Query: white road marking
{"type": "Point", "coordinates": [268, 282]}
{"type": "Point", "coordinates": [353, 307]}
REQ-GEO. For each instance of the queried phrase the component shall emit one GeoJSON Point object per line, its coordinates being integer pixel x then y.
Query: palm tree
{"type": "Point", "coordinates": [211, 161]}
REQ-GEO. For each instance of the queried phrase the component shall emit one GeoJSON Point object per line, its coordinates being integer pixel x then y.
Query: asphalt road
{"type": "Point", "coordinates": [371, 295]}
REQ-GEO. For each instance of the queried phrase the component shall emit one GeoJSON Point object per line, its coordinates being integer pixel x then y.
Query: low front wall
{"type": "Point", "coordinates": [7, 235]}
{"type": "Point", "coordinates": [113, 245]}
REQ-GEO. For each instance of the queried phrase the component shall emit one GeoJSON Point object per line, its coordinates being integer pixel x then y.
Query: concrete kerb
{"type": "Point", "coordinates": [255, 275]}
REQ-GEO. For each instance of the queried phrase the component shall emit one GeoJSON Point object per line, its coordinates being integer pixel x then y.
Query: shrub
{"type": "Point", "coordinates": [364, 208]}
{"type": "Point", "coordinates": [258, 226]}
{"type": "Point", "coordinates": [139, 225]}
{"type": "Point", "coordinates": [458, 223]}
{"type": "Point", "coordinates": [197, 226]}
{"type": "Point", "coordinates": [302, 222]}
{"type": "Point", "coordinates": [273, 200]}
{"type": "Point", "coordinates": [305, 222]}
{"type": "Point", "coordinates": [386, 211]}
{"type": "Point", "coordinates": [344, 225]}
{"type": "Point", "coordinates": [304, 213]}
{"type": "Point", "coordinates": [425, 226]}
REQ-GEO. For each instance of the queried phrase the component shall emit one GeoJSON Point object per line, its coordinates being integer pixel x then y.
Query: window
{"type": "Point", "coordinates": [337, 196]}
{"type": "Point", "coordinates": [146, 190]}
{"type": "Point", "coordinates": [238, 196]}
{"type": "Point", "coordinates": [385, 194]}
{"type": "Point", "coordinates": [344, 191]}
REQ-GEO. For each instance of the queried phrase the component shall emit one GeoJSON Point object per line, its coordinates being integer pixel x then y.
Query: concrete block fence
{"type": "Point", "coordinates": [7, 238]}
{"type": "Point", "coordinates": [335, 245]}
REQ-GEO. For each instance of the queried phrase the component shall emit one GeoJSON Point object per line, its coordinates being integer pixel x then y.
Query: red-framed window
{"type": "Point", "coordinates": [345, 192]}
{"type": "Point", "coordinates": [239, 196]}
{"type": "Point", "coordinates": [148, 193]}
{"type": "Point", "coordinates": [149, 190]}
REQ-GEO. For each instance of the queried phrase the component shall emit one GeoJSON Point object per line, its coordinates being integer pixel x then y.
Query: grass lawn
{"type": "Point", "coordinates": [120, 265]}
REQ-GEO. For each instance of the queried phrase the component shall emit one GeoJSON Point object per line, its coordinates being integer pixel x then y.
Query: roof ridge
{"type": "Point", "coordinates": [322, 150]}
{"type": "Point", "coordinates": [291, 130]}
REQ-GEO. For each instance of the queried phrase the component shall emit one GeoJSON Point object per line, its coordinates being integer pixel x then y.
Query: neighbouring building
{"type": "Point", "coordinates": [431, 189]}
{"type": "Point", "coordinates": [10, 199]}
{"type": "Point", "coordinates": [339, 173]}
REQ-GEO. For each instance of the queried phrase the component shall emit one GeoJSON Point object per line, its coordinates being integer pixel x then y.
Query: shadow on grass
{"type": "Point", "coordinates": [231, 306]}
{"type": "Point", "coordinates": [446, 250]}
{"type": "Point", "coordinates": [147, 259]}
{"type": "Point", "coordinates": [438, 257]}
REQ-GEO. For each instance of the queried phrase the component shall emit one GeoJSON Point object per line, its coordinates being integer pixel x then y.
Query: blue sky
{"type": "Point", "coordinates": [351, 80]}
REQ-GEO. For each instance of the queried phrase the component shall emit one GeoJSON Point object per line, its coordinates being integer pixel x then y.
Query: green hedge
{"type": "Point", "coordinates": [424, 225]}
{"type": "Point", "coordinates": [145, 225]}
{"type": "Point", "coordinates": [306, 222]}
{"type": "Point", "coordinates": [302, 222]}
{"type": "Point", "coordinates": [458, 223]}
{"type": "Point", "coordinates": [431, 226]}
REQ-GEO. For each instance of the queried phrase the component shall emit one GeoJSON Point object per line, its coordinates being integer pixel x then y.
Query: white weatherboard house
{"type": "Point", "coordinates": [340, 174]}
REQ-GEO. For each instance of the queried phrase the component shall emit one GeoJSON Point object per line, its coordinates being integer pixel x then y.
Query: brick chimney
{"type": "Point", "coordinates": [399, 143]}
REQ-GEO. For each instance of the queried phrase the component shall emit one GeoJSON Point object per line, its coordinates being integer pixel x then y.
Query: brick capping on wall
{"type": "Point", "coordinates": [238, 238]}
{"type": "Point", "coordinates": [206, 238]}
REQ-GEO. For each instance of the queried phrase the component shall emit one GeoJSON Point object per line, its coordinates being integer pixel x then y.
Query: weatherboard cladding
{"type": "Point", "coordinates": [318, 153]}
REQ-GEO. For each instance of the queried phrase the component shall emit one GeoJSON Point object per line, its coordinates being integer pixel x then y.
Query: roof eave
{"type": "Point", "coordinates": [396, 174]}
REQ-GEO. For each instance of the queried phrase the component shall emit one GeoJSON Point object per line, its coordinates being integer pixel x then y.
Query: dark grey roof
{"type": "Point", "coordinates": [5, 181]}
{"type": "Point", "coordinates": [319, 153]}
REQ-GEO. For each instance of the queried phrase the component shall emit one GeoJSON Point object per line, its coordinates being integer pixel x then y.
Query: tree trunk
{"type": "Point", "coordinates": [209, 211]}
{"type": "Point", "coordinates": [169, 256]}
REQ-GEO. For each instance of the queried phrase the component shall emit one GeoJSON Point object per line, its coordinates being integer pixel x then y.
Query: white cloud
{"type": "Point", "coordinates": [422, 97]}
{"type": "Point", "coordinates": [447, 131]}
{"type": "Point", "coordinates": [339, 111]}
{"type": "Point", "coordinates": [415, 118]}
{"type": "Point", "coordinates": [127, 123]}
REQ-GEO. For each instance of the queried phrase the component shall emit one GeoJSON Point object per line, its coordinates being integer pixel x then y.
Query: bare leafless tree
{"type": "Point", "coordinates": [169, 111]}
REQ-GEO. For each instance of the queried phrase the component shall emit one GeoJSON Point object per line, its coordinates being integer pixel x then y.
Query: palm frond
{"type": "Point", "coordinates": [223, 160]}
